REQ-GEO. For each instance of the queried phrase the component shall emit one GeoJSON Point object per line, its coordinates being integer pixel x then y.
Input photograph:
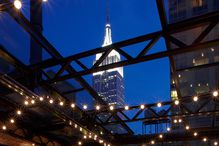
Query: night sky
{"type": "Point", "coordinates": [74, 26]}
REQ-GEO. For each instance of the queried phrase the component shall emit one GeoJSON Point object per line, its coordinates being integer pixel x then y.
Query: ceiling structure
{"type": "Point", "coordinates": [58, 121]}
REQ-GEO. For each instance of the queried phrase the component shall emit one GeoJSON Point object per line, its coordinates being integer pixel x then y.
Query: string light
{"type": "Point", "coordinates": [195, 98]}
{"type": "Point", "coordinates": [215, 93]}
{"type": "Point", "coordinates": [111, 107]}
{"type": "Point", "coordinates": [215, 143]}
{"type": "Point", "coordinates": [161, 136]}
{"type": "Point", "coordinates": [4, 127]}
{"type": "Point", "coordinates": [12, 121]}
{"type": "Point", "coordinates": [85, 137]}
{"type": "Point", "coordinates": [41, 99]}
{"type": "Point", "coordinates": [142, 106]}
{"type": "Point", "coordinates": [159, 104]}
{"type": "Point", "coordinates": [204, 139]}
{"type": "Point", "coordinates": [187, 127]}
{"type": "Point", "coordinates": [98, 107]}
{"type": "Point", "coordinates": [45, 0]}
{"type": "Point", "coordinates": [168, 129]}
{"type": "Point", "coordinates": [175, 120]}
{"type": "Point", "coordinates": [33, 101]}
{"type": "Point", "coordinates": [176, 102]}
{"type": "Point", "coordinates": [85, 106]}
{"type": "Point", "coordinates": [18, 112]}
{"type": "Point", "coordinates": [61, 103]}
{"type": "Point", "coordinates": [26, 102]}
{"type": "Point", "coordinates": [126, 107]}
{"type": "Point", "coordinates": [79, 143]}
{"type": "Point", "coordinates": [152, 142]}
{"type": "Point", "coordinates": [195, 133]}
{"type": "Point", "coordinates": [17, 4]}
{"type": "Point", "coordinates": [73, 105]}
{"type": "Point", "coordinates": [180, 120]}
{"type": "Point", "coordinates": [51, 101]}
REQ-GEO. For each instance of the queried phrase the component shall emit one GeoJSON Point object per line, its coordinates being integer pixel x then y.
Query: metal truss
{"type": "Point", "coordinates": [183, 110]}
{"type": "Point", "coordinates": [118, 116]}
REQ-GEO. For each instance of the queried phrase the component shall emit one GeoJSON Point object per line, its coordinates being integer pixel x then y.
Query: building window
{"type": "Point", "coordinates": [199, 7]}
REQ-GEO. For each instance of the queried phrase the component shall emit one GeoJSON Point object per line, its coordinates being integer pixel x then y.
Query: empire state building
{"type": "Point", "coordinates": [109, 84]}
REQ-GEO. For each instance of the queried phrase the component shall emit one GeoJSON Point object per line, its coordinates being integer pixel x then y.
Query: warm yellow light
{"type": "Point", "coordinates": [51, 101]}
{"type": "Point", "coordinates": [85, 137]}
{"type": "Point", "coordinates": [33, 101]}
{"type": "Point", "coordinates": [100, 141]}
{"type": "Point", "coordinates": [187, 127]}
{"type": "Point", "coordinates": [76, 125]}
{"type": "Point", "coordinates": [81, 129]}
{"type": "Point", "coordinates": [111, 108]}
{"type": "Point", "coordinates": [215, 143]}
{"type": "Point", "coordinates": [180, 120]}
{"type": "Point", "coordinates": [160, 136]}
{"type": "Point", "coordinates": [26, 102]}
{"type": "Point", "coordinates": [168, 129]}
{"type": "Point", "coordinates": [175, 121]}
{"type": "Point", "coordinates": [126, 107]}
{"type": "Point", "coordinates": [4, 127]}
{"type": "Point", "coordinates": [204, 139]}
{"type": "Point", "coordinates": [17, 4]}
{"type": "Point", "coordinates": [97, 107]}
{"type": "Point", "coordinates": [18, 112]}
{"type": "Point", "coordinates": [90, 136]}
{"type": "Point", "coordinates": [85, 106]}
{"type": "Point", "coordinates": [142, 106]}
{"type": "Point", "coordinates": [152, 142]}
{"type": "Point", "coordinates": [45, 0]}
{"type": "Point", "coordinates": [12, 121]}
{"type": "Point", "coordinates": [73, 105]}
{"type": "Point", "coordinates": [79, 143]}
{"type": "Point", "coordinates": [159, 104]}
{"type": "Point", "coordinates": [176, 102]}
{"type": "Point", "coordinates": [195, 98]}
{"type": "Point", "coordinates": [41, 99]}
{"type": "Point", "coordinates": [215, 93]}
{"type": "Point", "coordinates": [61, 103]}
{"type": "Point", "coordinates": [70, 122]}
{"type": "Point", "coordinates": [195, 133]}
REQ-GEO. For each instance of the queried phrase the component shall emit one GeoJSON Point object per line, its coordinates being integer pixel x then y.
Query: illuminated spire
{"type": "Point", "coordinates": [108, 41]}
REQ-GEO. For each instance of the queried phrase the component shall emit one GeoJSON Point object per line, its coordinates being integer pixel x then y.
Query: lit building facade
{"type": "Point", "coordinates": [109, 84]}
{"type": "Point", "coordinates": [195, 81]}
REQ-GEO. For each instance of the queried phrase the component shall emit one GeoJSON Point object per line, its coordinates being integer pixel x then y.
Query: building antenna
{"type": "Point", "coordinates": [107, 12]}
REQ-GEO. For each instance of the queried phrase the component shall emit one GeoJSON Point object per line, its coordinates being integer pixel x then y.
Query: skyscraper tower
{"type": "Point", "coordinates": [109, 84]}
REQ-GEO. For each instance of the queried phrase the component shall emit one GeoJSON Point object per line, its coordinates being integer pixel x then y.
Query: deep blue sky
{"type": "Point", "coordinates": [77, 25]}
{"type": "Point", "coordinates": [73, 26]}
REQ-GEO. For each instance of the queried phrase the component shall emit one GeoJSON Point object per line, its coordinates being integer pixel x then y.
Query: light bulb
{"type": "Point", "coordinates": [204, 139]}
{"type": "Point", "coordinates": [195, 133]}
{"type": "Point", "coordinates": [97, 107]}
{"type": "Point", "coordinates": [51, 101]}
{"type": "Point", "coordinates": [18, 112]}
{"type": "Point", "coordinates": [176, 102]}
{"type": "Point", "coordinates": [160, 136]}
{"type": "Point", "coordinates": [4, 127]}
{"type": "Point", "coordinates": [85, 106]}
{"type": "Point", "coordinates": [152, 142]}
{"type": "Point", "coordinates": [17, 4]}
{"type": "Point", "coordinates": [142, 106]}
{"type": "Point", "coordinates": [126, 107]}
{"type": "Point", "coordinates": [33, 101]}
{"type": "Point", "coordinates": [73, 105]}
{"type": "Point", "coordinates": [111, 108]}
{"type": "Point", "coordinates": [61, 103]}
{"type": "Point", "coordinates": [187, 127]}
{"type": "Point", "coordinates": [41, 99]}
{"type": "Point", "coordinates": [26, 102]}
{"type": "Point", "coordinates": [215, 93]}
{"type": "Point", "coordinates": [159, 104]}
{"type": "Point", "coordinates": [195, 98]}
{"type": "Point", "coordinates": [12, 121]}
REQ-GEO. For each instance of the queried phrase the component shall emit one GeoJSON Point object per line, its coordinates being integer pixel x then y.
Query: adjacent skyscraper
{"type": "Point", "coordinates": [109, 84]}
